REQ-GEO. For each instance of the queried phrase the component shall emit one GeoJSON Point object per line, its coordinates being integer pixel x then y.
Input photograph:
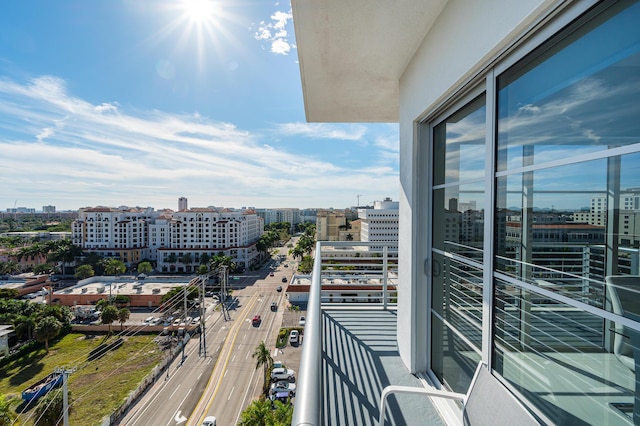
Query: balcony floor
{"type": "Point", "coordinates": [359, 359]}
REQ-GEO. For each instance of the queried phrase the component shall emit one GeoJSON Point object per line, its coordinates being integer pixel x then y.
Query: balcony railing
{"type": "Point", "coordinates": [344, 273]}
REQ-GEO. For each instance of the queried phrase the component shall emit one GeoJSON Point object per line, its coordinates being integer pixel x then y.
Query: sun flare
{"type": "Point", "coordinates": [198, 11]}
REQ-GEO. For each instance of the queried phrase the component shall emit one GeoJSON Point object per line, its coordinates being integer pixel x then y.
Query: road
{"type": "Point", "coordinates": [235, 381]}
{"type": "Point", "coordinates": [225, 381]}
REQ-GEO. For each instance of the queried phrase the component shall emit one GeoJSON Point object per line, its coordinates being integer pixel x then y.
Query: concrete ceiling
{"type": "Point", "coordinates": [352, 54]}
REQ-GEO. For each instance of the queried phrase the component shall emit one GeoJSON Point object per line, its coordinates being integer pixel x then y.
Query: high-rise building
{"type": "Point", "coordinates": [182, 204]}
{"type": "Point", "coordinates": [48, 209]}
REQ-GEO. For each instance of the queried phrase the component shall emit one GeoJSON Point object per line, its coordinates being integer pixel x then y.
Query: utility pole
{"type": "Point", "coordinates": [65, 393]}
{"type": "Point", "coordinates": [203, 311]}
{"type": "Point", "coordinates": [359, 195]}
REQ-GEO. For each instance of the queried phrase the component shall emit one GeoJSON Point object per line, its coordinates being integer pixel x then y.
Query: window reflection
{"type": "Point", "coordinates": [579, 96]}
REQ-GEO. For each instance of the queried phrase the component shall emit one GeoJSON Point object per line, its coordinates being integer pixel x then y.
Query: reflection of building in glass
{"type": "Point", "coordinates": [628, 216]}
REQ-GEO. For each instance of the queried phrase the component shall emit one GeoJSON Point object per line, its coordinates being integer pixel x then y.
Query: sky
{"type": "Point", "coordinates": [140, 102]}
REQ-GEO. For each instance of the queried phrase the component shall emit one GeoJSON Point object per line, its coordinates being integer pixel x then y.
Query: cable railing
{"type": "Point", "coordinates": [344, 273]}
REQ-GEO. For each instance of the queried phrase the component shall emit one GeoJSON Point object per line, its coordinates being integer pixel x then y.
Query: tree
{"type": "Point", "coordinates": [102, 303]}
{"type": "Point", "coordinates": [84, 271]}
{"type": "Point", "coordinates": [264, 360]}
{"type": "Point", "coordinates": [187, 259]}
{"type": "Point", "coordinates": [263, 412]}
{"type": "Point", "coordinates": [203, 269]}
{"type": "Point", "coordinates": [204, 259]}
{"type": "Point", "coordinates": [8, 293]}
{"type": "Point", "coordinates": [123, 316]}
{"type": "Point", "coordinates": [50, 409]}
{"type": "Point", "coordinates": [7, 414]}
{"type": "Point", "coordinates": [23, 324]}
{"type": "Point", "coordinates": [46, 329]}
{"type": "Point", "coordinates": [145, 267]}
{"type": "Point", "coordinates": [113, 266]}
{"type": "Point", "coordinates": [109, 315]}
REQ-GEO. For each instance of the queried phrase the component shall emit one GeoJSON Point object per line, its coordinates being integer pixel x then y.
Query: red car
{"type": "Point", "coordinates": [256, 320]}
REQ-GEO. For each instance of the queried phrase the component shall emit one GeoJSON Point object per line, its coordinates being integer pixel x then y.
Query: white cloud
{"type": "Point", "coordinates": [275, 33]}
{"type": "Point", "coordinates": [102, 154]}
{"type": "Point", "coordinates": [353, 132]}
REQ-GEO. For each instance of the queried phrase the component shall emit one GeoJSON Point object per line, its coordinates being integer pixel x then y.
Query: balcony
{"type": "Point", "coordinates": [350, 352]}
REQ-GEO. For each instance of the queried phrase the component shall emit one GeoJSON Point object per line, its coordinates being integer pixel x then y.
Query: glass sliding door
{"type": "Point", "coordinates": [457, 244]}
{"type": "Point", "coordinates": [567, 192]}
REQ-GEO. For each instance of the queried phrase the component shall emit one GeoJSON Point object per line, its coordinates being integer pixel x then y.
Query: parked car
{"type": "Point", "coordinates": [256, 320]}
{"type": "Point", "coordinates": [302, 321]}
{"type": "Point", "coordinates": [286, 266]}
{"type": "Point", "coordinates": [274, 306]}
{"type": "Point", "coordinates": [283, 387]}
{"type": "Point", "coordinates": [294, 337]}
{"type": "Point", "coordinates": [284, 279]}
{"type": "Point", "coordinates": [279, 374]}
{"type": "Point", "coordinates": [270, 274]}
{"type": "Point", "coordinates": [209, 421]}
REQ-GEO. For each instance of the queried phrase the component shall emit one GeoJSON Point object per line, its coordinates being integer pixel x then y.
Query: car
{"type": "Point", "coordinates": [274, 306]}
{"type": "Point", "coordinates": [280, 374]}
{"type": "Point", "coordinates": [286, 266]}
{"type": "Point", "coordinates": [279, 288]}
{"type": "Point", "coordinates": [270, 274]}
{"type": "Point", "coordinates": [176, 322]}
{"type": "Point", "coordinates": [283, 386]}
{"type": "Point", "coordinates": [209, 421]}
{"type": "Point", "coordinates": [302, 321]}
{"type": "Point", "coordinates": [294, 336]}
{"type": "Point", "coordinates": [284, 279]}
{"type": "Point", "coordinates": [195, 321]}
{"type": "Point", "coordinates": [148, 320]}
{"type": "Point", "coordinates": [256, 320]}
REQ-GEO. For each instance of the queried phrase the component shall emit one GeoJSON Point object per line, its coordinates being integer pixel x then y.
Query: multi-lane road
{"type": "Point", "coordinates": [225, 381]}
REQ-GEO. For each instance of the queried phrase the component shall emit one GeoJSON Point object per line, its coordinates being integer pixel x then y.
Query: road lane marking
{"type": "Point", "coordinates": [178, 411]}
{"type": "Point", "coordinates": [231, 393]}
{"type": "Point", "coordinates": [174, 392]}
{"type": "Point", "coordinates": [235, 329]}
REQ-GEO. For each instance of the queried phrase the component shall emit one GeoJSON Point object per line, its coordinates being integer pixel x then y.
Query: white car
{"type": "Point", "coordinates": [294, 336]}
{"type": "Point", "coordinates": [279, 374]}
{"type": "Point", "coordinates": [302, 321]}
{"type": "Point", "coordinates": [209, 421]}
{"type": "Point", "coordinates": [283, 387]}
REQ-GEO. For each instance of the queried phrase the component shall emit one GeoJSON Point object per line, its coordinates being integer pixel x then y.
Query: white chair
{"type": "Point", "coordinates": [486, 403]}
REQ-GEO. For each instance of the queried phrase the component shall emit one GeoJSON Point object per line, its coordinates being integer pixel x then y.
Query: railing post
{"type": "Point", "coordinates": [309, 400]}
{"type": "Point", "coordinates": [385, 276]}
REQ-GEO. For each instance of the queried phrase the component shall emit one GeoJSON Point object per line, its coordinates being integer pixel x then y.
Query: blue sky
{"type": "Point", "coordinates": [139, 102]}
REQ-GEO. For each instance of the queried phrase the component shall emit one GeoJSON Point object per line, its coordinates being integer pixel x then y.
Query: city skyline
{"type": "Point", "coordinates": [117, 102]}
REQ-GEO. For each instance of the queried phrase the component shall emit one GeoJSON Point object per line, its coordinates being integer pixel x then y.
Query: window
{"type": "Point", "coordinates": [458, 175]}
{"type": "Point", "coordinates": [565, 164]}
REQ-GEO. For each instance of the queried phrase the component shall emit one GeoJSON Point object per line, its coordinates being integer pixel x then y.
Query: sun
{"type": "Point", "coordinates": [198, 11]}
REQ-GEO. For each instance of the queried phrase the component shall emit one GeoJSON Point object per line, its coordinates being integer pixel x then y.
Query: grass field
{"type": "Point", "coordinates": [96, 388]}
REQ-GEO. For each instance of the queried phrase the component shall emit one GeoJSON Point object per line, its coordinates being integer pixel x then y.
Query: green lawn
{"type": "Point", "coordinates": [97, 388]}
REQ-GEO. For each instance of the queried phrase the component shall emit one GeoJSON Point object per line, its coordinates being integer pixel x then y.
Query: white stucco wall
{"type": "Point", "coordinates": [465, 39]}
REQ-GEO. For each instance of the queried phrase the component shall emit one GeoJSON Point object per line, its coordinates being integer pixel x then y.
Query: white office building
{"type": "Point", "coordinates": [380, 224]}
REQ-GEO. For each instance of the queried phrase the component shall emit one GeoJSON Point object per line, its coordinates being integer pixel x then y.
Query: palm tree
{"type": "Point", "coordinates": [123, 316]}
{"type": "Point", "coordinates": [114, 266]}
{"type": "Point", "coordinates": [7, 414]}
{"type": "Point", "coordinates": [23, 324]}
{"type": "Point", "coordinates": [263, 358]}
{"type": "Point", "coordinates": [109, 315]}
{"type": "Point", "coordinates": [46, 329]}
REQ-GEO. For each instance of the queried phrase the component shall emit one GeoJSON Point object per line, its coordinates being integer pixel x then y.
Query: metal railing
{"type": "Point", "coordinates": [348, 264]}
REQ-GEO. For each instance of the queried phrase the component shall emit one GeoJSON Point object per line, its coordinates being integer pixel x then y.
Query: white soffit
{"type": "Point", "coordinates": [352, 54]}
